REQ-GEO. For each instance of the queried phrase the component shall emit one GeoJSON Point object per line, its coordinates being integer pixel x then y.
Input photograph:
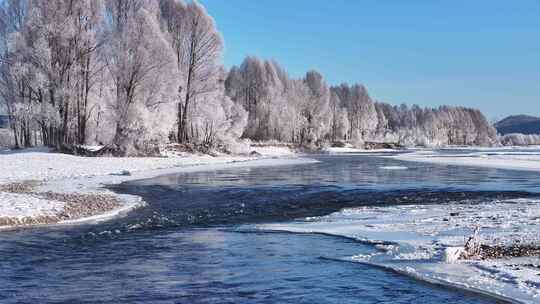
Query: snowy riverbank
{"type": "Point", "coordinates": [418, 240]}
{"type": "Point", "coordinates": [498, 158]}
{"type": "Point", "coordinates": [343, 150]}
{"type": "Point", "coordinates": [49, 174]}
{"type": "Point", "coordinates": [414, 240]}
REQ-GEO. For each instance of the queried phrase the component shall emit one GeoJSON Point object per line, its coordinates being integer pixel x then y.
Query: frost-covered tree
{"type": "Point", "coordinates": [131, 74]}
{"type": "Point", "coordinates": [12, 14]}
{"type": "Point", "coordinates": [138, 61]}
{"type": "Point", "coordinates": [205, 115]}
{"type": "Point", "coordinates": [90, 30]}
{"type": "Point", "coordinates": [518, 139]}
{"type": "Point", "coordinates": [216, 120]}
{"type": "Point", "coordinates": [122, 73]}
{"type": "Point", "coordinates": [361, 111]}
{"type": "Point", "coordinates": [305, 111]}
{"type": "Point", "coordinates": [257, 85]}
{"type": "Point", "coordinates": [52, 49]}
{"type": "Point", "coordinates": [44, 51]}
{"type": "Point", "coordinates": [197, 46]}
{"type": "Point", "coordinates": [315, 108]}
{"type": "Point", "coordinates": [339, 125]}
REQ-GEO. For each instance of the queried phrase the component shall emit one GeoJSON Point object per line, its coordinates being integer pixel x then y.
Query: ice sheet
{"type": "Point", "coordinates": [528, 160]}
{"type": "Point", "coordinates": [413, 239]}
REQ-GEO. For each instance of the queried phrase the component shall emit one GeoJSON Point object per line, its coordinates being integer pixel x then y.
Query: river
{"type": "Point", "coordinates": [185, 246]}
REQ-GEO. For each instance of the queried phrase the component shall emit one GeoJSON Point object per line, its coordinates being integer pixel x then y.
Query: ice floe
{"type": "Point", "coordinates": [426, 242]}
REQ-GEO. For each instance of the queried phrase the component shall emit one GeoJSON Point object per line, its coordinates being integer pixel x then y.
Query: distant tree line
{"type": "Point", "coordinates": [309, 112]}
{"type": "Point", "coordinates": [130, 74]}
{"type": "Point", "coordinates": [517, 139]}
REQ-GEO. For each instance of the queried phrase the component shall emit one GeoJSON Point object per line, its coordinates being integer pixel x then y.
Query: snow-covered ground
{"type": "Point", "coordinates": [62, 173]}
{"type": "Point", "coordinates": [500, 158]}
{"type": "Point", "coordinates": [340, 150]}
{"type": "Point", "coordinates": [274, 151]}
{"type": "Point", "coordinates": [413, 239]}
{"type": "Point", "coordinates": [19, 206]}
{"type": "Point", "coordinates": [393, 168]}
{"type": "Point", "coordinates": [499, 148]}
{"type": "Point", "coordinates": [43, 166]}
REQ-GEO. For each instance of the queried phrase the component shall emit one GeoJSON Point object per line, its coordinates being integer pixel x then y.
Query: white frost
{"type": "Point", "coordinates": [393, 168]}
{"type": "Point", "coordinates": [21, 206]}
{"type": "Point", "coordinates": [453, 254]}
{"type": "Point", "coordinates": [430, 238]}
{"type": "Point", "coordinates": [341, 150]}
{"type": "Point", "coordinates": [498, 159]}
{"type": "Point", "coordinates": [274, 151]}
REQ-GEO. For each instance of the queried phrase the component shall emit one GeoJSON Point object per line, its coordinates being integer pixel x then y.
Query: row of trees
{"type": "Point", "coordinates": [518, 139]}
{"type": "Point", "coordinates": [133, 73]}
{"type": "Point", "coordinates": [121, 72]}
{"type": "Point", "coordinates": [309, 112]}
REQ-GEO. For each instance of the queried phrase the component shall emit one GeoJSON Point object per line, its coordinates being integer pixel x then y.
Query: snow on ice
{"type": "Point", "coordinates": [426, 242]}
{"type": "Point", "coordinates": [498, 158]}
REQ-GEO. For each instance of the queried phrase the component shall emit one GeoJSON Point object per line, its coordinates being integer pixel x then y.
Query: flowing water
{"type": "Point", "coordinates": [185, 245]}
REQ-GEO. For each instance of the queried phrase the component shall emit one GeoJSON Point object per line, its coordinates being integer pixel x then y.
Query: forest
{"type": "Point", "coordinates": [131, 75]}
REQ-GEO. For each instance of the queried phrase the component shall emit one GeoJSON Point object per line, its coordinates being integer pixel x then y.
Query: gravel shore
{"type": "Point", "coordinates": [75, 206]}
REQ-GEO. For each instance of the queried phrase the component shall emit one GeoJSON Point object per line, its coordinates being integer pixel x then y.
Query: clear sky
{"type": "Point", "coordinates": [478, 53]}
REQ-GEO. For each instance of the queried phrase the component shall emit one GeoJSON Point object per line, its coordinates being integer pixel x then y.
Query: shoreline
{"type": "Point", "coordinates": [423, 233]}
{"type": "Point", "coordinates": [420, 277]}
{"type": "Point", "coordinates": [96, 184]}
{"type": "Point", "coordinates": [62, 174]}
{"type": "Point", "coordinates": [27, 203]}
{"type": "Point", "coordinates": [503, 159]}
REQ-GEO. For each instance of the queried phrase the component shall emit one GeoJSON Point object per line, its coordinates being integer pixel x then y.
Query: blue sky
{"type": "Point", "coordinates": [480, 53]}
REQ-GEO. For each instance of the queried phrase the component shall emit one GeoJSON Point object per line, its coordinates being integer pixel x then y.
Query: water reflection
{"type": "Point", "coordinates": [355, 172]}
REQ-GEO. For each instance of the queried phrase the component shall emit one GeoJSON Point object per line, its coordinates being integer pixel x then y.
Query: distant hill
{"type": "Point", "coordinates": [524, 124]}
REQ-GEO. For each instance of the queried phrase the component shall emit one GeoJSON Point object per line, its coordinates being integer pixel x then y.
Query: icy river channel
{"type": "Point", "coordinates": [352, 228]}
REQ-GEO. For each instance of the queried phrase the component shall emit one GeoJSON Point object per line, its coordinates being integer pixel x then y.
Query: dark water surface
{"type": "Point", "coordinates": [183, 247]}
